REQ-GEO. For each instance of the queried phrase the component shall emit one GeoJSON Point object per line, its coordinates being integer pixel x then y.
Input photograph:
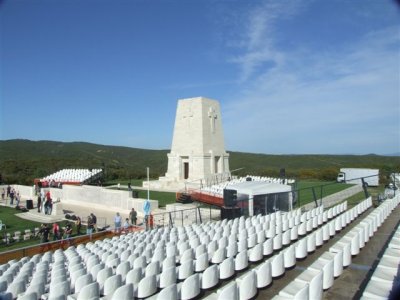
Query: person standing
{"type": "Point", "coordinates": [68, 231]}
{"type": "Point", "coordinates": [78, 224]}
{"type": "Point", "coordinates": [17, 199]}
{"type": "Point", "coordinates": [94, 221]}
{"type": "Point", "coordinates": [44, 233]}
{"type": "Point", "coordinates": [151, 221]}
{"type": "Point", "coordinates": [12, 196]}
{"type": "Point", "coordinates": [39, 204]}
{"type": "Point", "coordinates": [42, 196]}
{"type": "Point", "coordinates": [89, 229]}
{"type": "Point", "coordinates": [117, 222]}
{"type": "Point", "coordinates": [133, 216]}
{"type": "Point", "coordinates": [56, 232]}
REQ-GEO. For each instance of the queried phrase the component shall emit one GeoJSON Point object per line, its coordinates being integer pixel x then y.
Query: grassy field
{"type": "Point", "coordinates": [321, 189]}
{"type": "Point", "coordinates": [14, 223]}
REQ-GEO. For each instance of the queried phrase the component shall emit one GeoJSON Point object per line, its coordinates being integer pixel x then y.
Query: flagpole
{"type": "Point", "coordinates": [148, 184]}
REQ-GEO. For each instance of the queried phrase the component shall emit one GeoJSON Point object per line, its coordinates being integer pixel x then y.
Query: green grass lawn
{"type": "Point", "coordinates": [321, 189]}
{"type": "Point", "coordinates": [14, 223]}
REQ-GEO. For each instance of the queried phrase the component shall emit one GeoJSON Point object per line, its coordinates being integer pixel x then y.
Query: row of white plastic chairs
{"type": "Point", "coordinates": [277, 216]}
{"type": "Point", "coordinates": [385, 280]}
{"type": "Point", "coordinates": [67, 175]}
{"type": "Point", "coordinates": [219, 188]}
{"type": "Point", "coordinates": [151, 281]}
{"type": "Point", "coordinates": [262, 276]}
{"type": "Point", "coordinates": [320, 275]}
{"type": "Point", "coordinates": [20, 235]}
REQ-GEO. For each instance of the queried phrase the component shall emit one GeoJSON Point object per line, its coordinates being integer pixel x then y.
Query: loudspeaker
{"type": "Point", "coordinates": [230, 198]}
{"type": "Point", "coordinates": [29, 204]}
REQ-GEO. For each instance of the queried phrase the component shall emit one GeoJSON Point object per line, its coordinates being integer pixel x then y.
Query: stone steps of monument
{"type": "Point", "coordinates": [184, 198]}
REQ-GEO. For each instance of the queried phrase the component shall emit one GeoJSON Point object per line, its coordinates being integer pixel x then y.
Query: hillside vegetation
{"type": "Point", "coordinates": [22, 160]}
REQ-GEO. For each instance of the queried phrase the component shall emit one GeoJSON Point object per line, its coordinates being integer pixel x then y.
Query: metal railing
{"type": "Point", "coordinates": [197, 215]}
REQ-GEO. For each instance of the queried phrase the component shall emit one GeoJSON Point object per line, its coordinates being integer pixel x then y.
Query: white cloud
{"type": "Point", "coordinates": [258, 37]}
{"type": "Point", "coordinates": [342, 100]}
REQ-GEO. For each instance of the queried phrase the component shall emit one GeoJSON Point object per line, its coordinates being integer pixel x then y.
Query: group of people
{"type": "Point", "coordinates": [12, 194]}
{"type": "Point", "coordinates": [44, 202]}
{"type": "Point", "coordinates": [55, 230]}
{"type": "Point", "coordinates": [131, 221]}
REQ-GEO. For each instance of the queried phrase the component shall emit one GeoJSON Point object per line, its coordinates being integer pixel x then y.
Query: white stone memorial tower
{"type": "Point", "coordinates": [197, 150]}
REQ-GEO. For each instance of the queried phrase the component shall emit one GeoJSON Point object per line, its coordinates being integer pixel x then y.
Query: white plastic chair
{"type": "Point", "coordinates": [256, 253]}
{"type": "Point", "coordinates": [337, 258]}
{"type": "Point", "coordinates": [169, 292]}
{"type": "Point", "coordinates": [277, 242]}
{"type": "Point", "coordinates": [277, 265]}
{"type": "Point", "coordinates": [167, 277]}
{"type": "Point", "coordinates": [91, 291]}
{"type": "Point", "coordinates": [295, 290]}
{"type": "Point", "coordinates": [301, 248]}
{"type": "Point", "coordinates": [16, 288]}
{"type": "Point", "coordinates": [147, 287]}
{"type": "Point", "coordinates": [111, 284]}
{"type": "Point", "coordinates": [314, 279]}
{"type": "Point", "coordinates": [264, 274]}
{"type": "Point", "coordinates": [190, 287]}
{"type": "Point", "coordinates": [218, 256]}
{"type": "Point", "coordinates": [267, 247]}
{"type": "Point", "coordinates": [311, 242]}
{"type": "Point", "coordinates": [247, 284]}
{"type": "Point", "coordinates": [201, 263]}
{"type": "Point", "coordinates": [227, 268]}
{"type": "Point", "coordinates": [241, 261]}
{"type": "Point", "coordinates": [82, 281]}
{"type": "Point", "coordinates": [289, 257]}
{"type": "Point", "coordinates": [345, 248]}
{"type": "Point", "coordinates": [186, 269]}
{"type": "Point", "coordinates": [124, 292]}
{"type": "Point", "coordinates": [210, 277]}
{"type": "Point", "coordinates": [326, 265]}
{"type": "Point", "coordinates": [229, 291]}
{"type": "Point", "coordinates": [153, 268]}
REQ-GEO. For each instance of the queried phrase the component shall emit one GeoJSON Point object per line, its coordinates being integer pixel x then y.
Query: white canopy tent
{"type": "Point", "coordinates": [251, 189]}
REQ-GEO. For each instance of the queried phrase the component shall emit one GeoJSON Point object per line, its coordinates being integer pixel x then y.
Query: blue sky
{"type": "Point", "coordinates": [292, 77]}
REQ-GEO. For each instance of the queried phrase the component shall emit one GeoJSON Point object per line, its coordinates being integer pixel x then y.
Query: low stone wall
{"type": "Point", "coordinates": [90, 196]}
{"type": "Point", "coordinates": [26, 192]}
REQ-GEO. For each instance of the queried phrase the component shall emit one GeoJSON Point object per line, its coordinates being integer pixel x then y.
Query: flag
{"type": "Point", "coordinates": [146, 207]}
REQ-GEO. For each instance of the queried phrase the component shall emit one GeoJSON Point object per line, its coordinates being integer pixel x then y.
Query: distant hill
{"type": "Point", "coordinates": [23, 160]}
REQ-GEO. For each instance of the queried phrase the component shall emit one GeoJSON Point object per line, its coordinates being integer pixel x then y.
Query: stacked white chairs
{"type": "Point", "coordinates": [218, 189]}
{"type": "Point", "coordinates": [72, 175]}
